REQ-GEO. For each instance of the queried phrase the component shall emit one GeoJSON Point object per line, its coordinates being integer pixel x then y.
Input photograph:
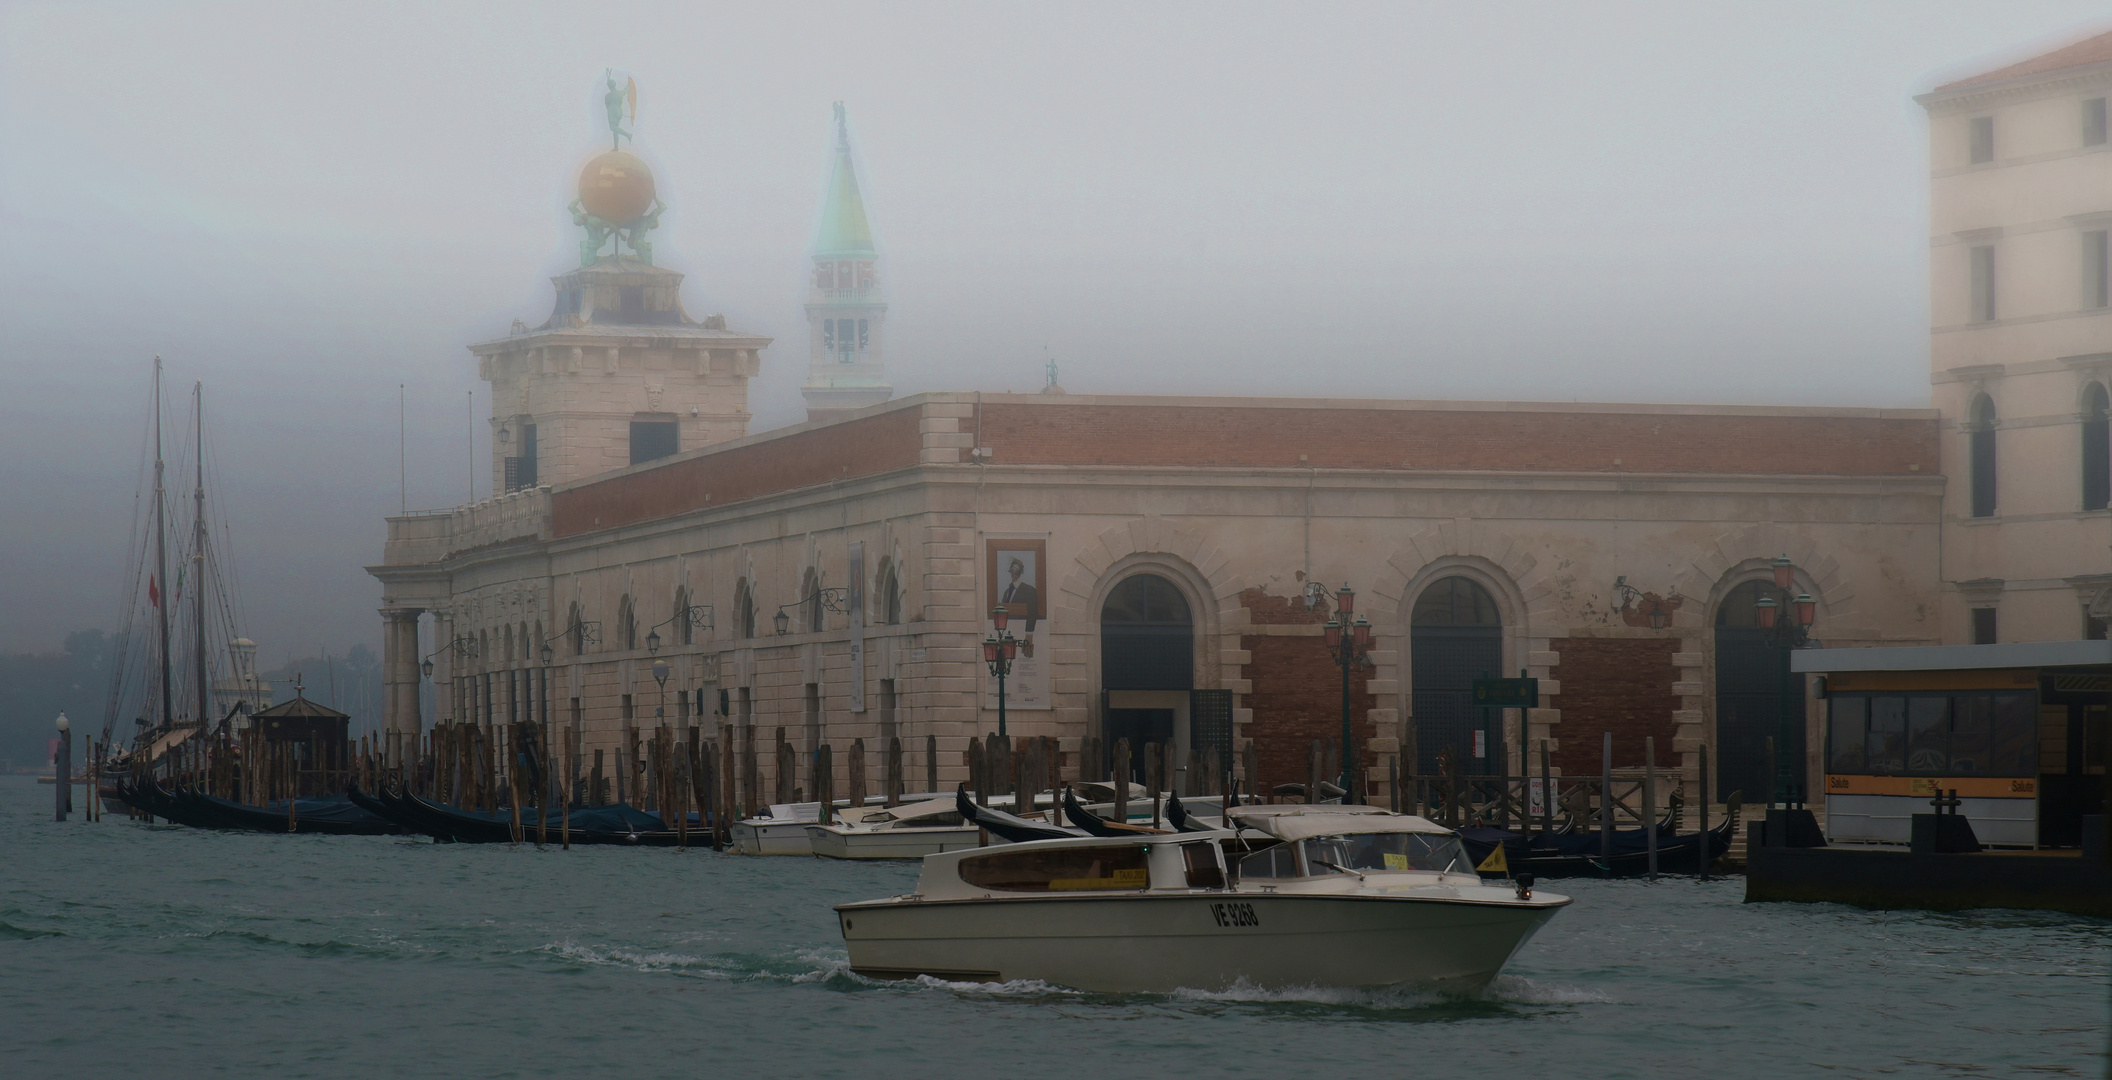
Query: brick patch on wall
{"type": "Point", "coordinates": [1622, 685]}
{"type": "Point", "coordinates": [1267, 609]}
{"type": "Point", "coordinates": [1296, 698]}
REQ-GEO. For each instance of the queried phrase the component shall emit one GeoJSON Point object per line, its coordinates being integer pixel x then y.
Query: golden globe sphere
{"type": "Point", "coordinates": [616, 187]}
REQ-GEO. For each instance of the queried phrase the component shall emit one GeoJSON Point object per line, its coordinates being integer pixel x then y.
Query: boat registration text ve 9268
{"type": "Point", "coordinates": [1234, 915]}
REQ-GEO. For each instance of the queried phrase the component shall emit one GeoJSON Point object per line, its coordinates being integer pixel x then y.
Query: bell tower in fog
{"type": "Point", "coordinates": [846, 308]}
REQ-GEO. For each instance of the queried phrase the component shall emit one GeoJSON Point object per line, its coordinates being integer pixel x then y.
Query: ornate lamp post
{"type": "Point", "coordinates": [999, 650]}
{"type": "Point", "coordinates": [1347, 639]}
{"type": "Point", "coordinates": [1786, 634]}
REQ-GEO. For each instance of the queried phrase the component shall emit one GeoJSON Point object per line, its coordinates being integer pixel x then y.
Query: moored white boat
{"type": "Point", "coordinates": [782, 830]}
{"type": "Point", "coordinates": [909, 831]}
{"type": "Point", "coordinates": [1292, 896]}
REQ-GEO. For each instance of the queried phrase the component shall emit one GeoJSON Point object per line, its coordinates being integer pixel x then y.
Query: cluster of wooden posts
{"type": "Point", "coordinates": [245, 767]}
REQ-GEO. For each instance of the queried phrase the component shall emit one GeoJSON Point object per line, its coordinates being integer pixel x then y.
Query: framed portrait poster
{"type": "Point", "coordinates": [1014, 575]}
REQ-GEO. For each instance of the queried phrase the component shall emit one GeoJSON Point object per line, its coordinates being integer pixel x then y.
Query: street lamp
{"type": "Point", "coordinates": [652, 641]}
{"type": "Point", "coordinates": [782, 621]}
{"type": "Point", "coordinates": [1786, 634]}
{"type": "Point", "coordinates": [660, 670]}
{"type": "Point", "coordinates": [999, 650]}
{"type": "Point", "coordinates": [1347, 639]}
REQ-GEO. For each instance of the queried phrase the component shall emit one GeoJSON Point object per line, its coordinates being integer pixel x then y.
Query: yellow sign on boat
{"type": "Point", "coordinates": [1495, 863]}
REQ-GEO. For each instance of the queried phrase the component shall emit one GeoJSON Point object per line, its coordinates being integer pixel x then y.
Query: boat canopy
{"type": "Point", "coordinates": [1298, 822]}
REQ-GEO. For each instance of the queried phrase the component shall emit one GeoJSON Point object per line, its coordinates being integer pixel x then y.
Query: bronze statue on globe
{"type": "Point", "coordinates": [616, 194]}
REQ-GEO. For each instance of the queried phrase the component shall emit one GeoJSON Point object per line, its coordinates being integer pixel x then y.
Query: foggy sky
{"type": "Point", "coordinates": [306, 205]}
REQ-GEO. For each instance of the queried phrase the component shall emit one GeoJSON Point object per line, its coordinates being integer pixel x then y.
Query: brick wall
{"type": "Point", "coordinates": [1256, 436]}
{"type": "Point", "coordinates": [1296, 698]}
{"type": "Point", "coordinates": [873, 444]}
{"type": "Point", "coordinates": [1622, 685]}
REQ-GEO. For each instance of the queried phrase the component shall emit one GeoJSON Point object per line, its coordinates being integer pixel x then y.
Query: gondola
{"type": "Point", "coordinates": [1581, 854]}
{"type": "Point", "coordinates": [329, 815]}
{"type": "Point", "coordinates": [1017, 830]}
{"type": "Point", "coordinates": [619, 824]}
{"type": "Point", "coordinates": [1092, 824]}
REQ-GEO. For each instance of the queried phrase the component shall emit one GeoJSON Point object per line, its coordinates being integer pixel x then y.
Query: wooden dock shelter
{"type": "Point", "coordinates": [2017, 731]}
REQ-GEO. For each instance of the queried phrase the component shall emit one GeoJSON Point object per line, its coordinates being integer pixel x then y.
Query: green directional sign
{"type": "Point", "coordinates": [1507, 693]}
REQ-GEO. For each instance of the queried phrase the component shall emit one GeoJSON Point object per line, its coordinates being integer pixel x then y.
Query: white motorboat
{"type": "Point", "coordinates": [782, 828]}
{"type": "Point", "coordinates": [1291, 896]}
{"type": "Point", "coordinates": [909, 831]}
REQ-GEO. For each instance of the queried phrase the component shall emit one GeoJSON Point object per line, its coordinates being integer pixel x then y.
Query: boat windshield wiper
{"type": "Point", "coordinates": [1336, 867]}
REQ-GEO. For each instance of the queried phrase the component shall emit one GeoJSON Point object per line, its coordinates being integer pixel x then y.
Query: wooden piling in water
{"type": "Point", "coordinates": [894, 770]}
{"type": "Point", "coordinates": [1701, 858]}
{"type": "Point", "coordinates": [854, 775]}
{"type": "Point", "coordinates": [825, 781]}
{"type": "Point", "coordinates": [1606, 797]}
{"type": "Point", "coordinates": [1121, 779]}
{"type": "Point", "coordinates": [1650, 799]}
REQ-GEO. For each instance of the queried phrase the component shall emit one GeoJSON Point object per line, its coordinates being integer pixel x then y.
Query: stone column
{"type": "Point", "coordinates": [399, 672]}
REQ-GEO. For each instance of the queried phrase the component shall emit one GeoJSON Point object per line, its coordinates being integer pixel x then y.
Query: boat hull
{"type": "Point", "coordinates": [768, 837]}
{"type": "Point", "coordinates": [889, 843]}
{"type": "Point", "coordinates": [1200, 941]}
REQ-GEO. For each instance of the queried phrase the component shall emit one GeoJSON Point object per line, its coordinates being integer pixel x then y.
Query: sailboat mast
{"type": "Point", "coordinates": [161, 555]}
{"type": "Point", "coordinates": [198, 554]}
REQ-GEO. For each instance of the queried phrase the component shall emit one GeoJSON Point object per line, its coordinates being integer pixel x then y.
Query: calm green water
{"type": "Point", "coordinates": [172, 952]}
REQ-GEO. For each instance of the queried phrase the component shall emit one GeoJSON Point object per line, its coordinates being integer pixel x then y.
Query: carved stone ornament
{"type": "Point", "coordinates": [652, 396]}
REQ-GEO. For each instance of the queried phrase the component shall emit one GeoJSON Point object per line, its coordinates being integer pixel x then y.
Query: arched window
{"type": "Point", "coordinates": [1455, 636]}
{"type": "Point", "coordinates": [887, 595]}
{"type": "Point", "coordinates": [813, 617]}
{"type": "Point", "coordinates": [743, 609]}
{"type": "Point", "coordinates": [1147, 637]}
{"type": "Point", "coordinates": [2097, 448]}
{"type": "Point", "coordinates": [1751, 669]}
{"type": "Point", "coordinates": [1980, 447]}
{"type": "Point", "coordinates": [575, 631]}
{"type": "Point", "coordinates": [507, 654]}
{"type": "Point", "coordinates": [684, 633]}
{"type": "Point", "coordinates": [626, 623]}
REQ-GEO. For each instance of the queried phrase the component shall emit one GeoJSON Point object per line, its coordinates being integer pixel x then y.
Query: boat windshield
{"type": "Point", "coordinates": [1385, 851]}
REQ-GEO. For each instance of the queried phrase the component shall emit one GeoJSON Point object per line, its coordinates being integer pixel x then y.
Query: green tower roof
{"type": "Point", "coordinates": [844, 230]}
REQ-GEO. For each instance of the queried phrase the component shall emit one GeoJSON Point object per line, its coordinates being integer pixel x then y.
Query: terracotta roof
{"type": "Point", "coordinates": [2092, 50]}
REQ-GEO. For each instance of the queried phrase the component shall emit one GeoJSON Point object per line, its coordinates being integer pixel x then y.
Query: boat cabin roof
{"type": "Point", "coordinates": [1300, 821]}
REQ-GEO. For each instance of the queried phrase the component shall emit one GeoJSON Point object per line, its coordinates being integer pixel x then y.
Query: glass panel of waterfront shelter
{"type": "Point", "coordinates": [1455, 637]}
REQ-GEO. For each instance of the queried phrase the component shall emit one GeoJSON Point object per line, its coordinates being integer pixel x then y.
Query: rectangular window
{"type": "Point", "coordinates": [2015, 735]}
{"type": "Point", "coordinates": [1980, 446]}
{"type": "Point", "coordinates": [2094, 122]}
{"type": "Point", "coordinates": [652, 440]}
{"type": "Point", "coordinates": [1980, 140]}
{"type": "Point", "coordinates": [1886, 749]}
{"type": "Point", "coordinates": [1982, 273]}
{"type": "Point", "coordinates": [1059, 870]}
{"type": "Point", "coordinates": [861, 332]}
{"type": "Point", "coordinates": [2097, 269]}
{"type": "Point", "coordinates": [1846, 717]}
{"type": "Point", "coordinates": [1928, 734]}
{"type": "Point", "coordinates": [1983, 626]}
{"type": "Point", "coordinates": [1972, 717]}
{"type": "Point", "coordinates": [828, 335]}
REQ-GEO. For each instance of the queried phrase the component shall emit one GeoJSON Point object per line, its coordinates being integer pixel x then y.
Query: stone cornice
{"type": "Point", "coordinates": [1977, 96]}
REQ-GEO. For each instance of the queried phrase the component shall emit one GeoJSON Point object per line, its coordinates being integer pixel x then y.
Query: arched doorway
{"type": "Point", "coordinates": [1455, 636]}
{"type": "Point", "coordinates": [1750, 669]}
{"type": "Point", "coordinates": [1147, 664]}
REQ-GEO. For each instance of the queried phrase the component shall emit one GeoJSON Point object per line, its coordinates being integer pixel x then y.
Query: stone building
{"type": "Point", "coordinates": [1169, 563]}
{"type": "Point", "coordinates": [2021, 345]}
